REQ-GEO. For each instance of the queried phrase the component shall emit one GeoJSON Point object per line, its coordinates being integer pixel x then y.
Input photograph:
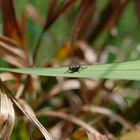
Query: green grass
{"type": "Point", "coordinates": [125, 70]}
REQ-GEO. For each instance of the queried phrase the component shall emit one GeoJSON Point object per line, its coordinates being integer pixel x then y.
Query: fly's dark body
{"type": "Point", "coordinates": [74, 68]}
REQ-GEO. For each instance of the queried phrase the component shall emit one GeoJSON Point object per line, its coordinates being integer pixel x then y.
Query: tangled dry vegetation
{"type": "Point", "coordinates": [60, 33]}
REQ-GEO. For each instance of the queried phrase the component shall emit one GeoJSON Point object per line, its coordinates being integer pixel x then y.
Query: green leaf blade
{"type": "Point", "coordinates": [125, 70]}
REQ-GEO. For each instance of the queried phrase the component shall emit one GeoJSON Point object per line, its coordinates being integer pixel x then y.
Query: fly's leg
{"type": "Point", "coordinates": [68, 71]}
{"type": "Point", "coordinates": [82, 68]}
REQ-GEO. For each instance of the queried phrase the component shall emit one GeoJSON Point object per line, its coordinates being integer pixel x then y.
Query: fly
{"type": "Point", "coordinates": [74, 68]}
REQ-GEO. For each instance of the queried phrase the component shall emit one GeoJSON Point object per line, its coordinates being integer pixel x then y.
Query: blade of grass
{"type": "Point", "coordinates": [68, 117]}
{"type": "Point", "coordinates": [83, 18]}
{"type": "Point", "coordinates": [26, 110]}
{"type": "Point", "coordinates": [10, 24]}
{"type": "Point", "coordinates": [53, 15]}
{"type": "Point", "coordinates": [125, 70]}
